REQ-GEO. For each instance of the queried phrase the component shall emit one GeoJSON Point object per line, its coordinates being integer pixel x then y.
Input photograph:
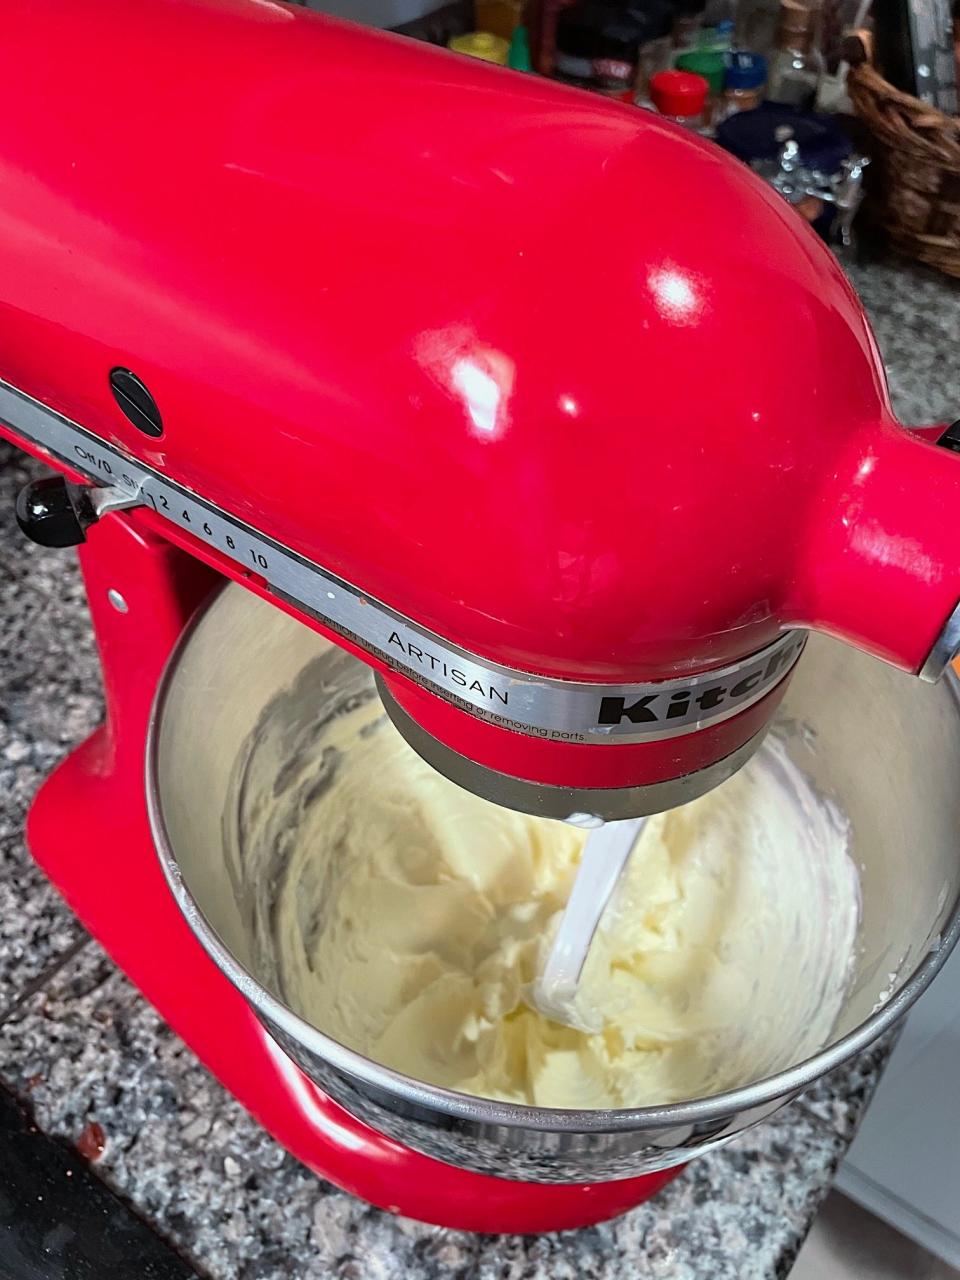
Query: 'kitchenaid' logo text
{"type": "Point", "coordinates": [673, 705]}
{"type": "Point", "coordinates": [698, 702]}
{"type": "Point", "coordinates": [438, 666]}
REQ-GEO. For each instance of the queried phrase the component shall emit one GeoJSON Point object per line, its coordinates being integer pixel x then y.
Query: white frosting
{"type": "Point", "coordinates": [410, 916]}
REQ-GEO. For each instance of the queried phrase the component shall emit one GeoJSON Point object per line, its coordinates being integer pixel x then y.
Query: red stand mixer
{"type": "Point", "coordinates": [552, 414]}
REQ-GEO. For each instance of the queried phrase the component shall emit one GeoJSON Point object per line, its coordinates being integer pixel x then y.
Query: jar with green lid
{"type": "Point", "coordinates": [711, 64]}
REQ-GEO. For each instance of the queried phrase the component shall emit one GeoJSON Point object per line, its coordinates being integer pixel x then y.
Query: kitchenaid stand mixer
{"type": "Point", "coordinates": [553, 499]}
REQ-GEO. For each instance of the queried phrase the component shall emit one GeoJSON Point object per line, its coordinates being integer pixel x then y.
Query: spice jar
{"type": "Point", "coordinates": [744, 82]}
{"type": "Point", "coordinates": [680, 96]}
{"type": "Point", "coordinates": [712, 66]}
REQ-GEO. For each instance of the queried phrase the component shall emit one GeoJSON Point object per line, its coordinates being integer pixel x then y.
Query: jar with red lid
{"type": "Point", "coordinates": [680, 96]}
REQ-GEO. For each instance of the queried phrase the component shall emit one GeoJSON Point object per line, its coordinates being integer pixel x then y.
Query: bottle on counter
{"type": "Point", "coordinates": [720, 13]}
{"type": "Point", "coordinates": [656, 40]}
{"type": "Point", "coordinates": [688, 19]}
{"type": "Point", "coordinates": [617, 54]}
{"type": "Point", "coordinates": [542, 24]}
{"type": "Point", "coordinates": [575, 43]}
{"type": "Point", "coordinates": [744, 82]}
{"type": "Point", "coordinates": [797, 65]}
{"type": "Point", "coordinates": [717, 38]}
{"type": "Point", "coordinates": [756, 26]}
{"type": "Point", "coordinates": [519, 55]}
{"type": "Point", "coordinates": [839, 20]}
{"type": "Point", "coordinates": [680, 96]}
{"type": "Point", "coordinates": [598, 46]}
{"type": "Point", "coordinates": [499, 17]}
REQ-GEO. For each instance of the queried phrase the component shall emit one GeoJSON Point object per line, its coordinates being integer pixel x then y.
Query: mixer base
{"type": "Point", "coordinates": [116, 887]}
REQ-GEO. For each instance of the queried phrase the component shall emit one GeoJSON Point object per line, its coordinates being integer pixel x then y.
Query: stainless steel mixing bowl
{"type": "Point", "coordinates": [884, 744]}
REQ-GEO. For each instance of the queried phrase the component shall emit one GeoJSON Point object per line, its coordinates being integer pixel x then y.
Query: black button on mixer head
{"type": "Point", "coordinates": [136, 402]}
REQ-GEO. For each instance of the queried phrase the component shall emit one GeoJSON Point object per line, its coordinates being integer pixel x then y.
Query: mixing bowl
{"type": "Point", "coordinates": [884, 745]}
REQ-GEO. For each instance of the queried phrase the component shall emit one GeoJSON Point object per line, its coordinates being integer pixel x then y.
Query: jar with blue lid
{"type": "Point", "coordinates": [744, 81]}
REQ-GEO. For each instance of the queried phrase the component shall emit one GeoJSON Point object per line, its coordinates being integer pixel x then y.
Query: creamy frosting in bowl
{"type": "Point", "coordinates": [405, 918]}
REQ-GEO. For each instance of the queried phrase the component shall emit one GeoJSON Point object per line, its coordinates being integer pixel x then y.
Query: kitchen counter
{"type": "Point", "coordinates": [82, 1049]}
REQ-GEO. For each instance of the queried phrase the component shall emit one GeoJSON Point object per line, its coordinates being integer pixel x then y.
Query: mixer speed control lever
{"type": "Point", "coordinates": [56, 513]}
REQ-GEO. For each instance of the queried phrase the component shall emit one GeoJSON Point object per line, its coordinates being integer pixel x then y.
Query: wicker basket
{"type": "Point", "coordinates": [917, 149]}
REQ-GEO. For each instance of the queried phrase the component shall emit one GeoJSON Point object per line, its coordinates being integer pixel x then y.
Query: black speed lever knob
{"type": "Point", "coordinates": [55, 513]}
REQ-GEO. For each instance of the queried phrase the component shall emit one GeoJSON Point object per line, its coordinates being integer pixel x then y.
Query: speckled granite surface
{"type": "Point", "coordinates": [49, 700]}
{"type": "Point", "coordinates": [915, 315]}
{"type": "Point", "coordinates": [87, 1047]}
{"type": "Point", "coordinates": [77, 1040]}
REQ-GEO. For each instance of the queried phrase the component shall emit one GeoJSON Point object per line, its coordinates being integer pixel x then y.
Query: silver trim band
{"type": "Point", "coordinates": [547, 801]}
{"type": "Point", "coordinates": [543, 707]}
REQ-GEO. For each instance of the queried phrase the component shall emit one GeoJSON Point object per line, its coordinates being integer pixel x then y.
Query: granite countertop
{"type": "Point", "coordinates": [83, 1049]}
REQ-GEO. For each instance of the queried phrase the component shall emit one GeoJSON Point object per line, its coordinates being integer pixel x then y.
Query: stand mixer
{"type": "Point", "coordinates": [457, 369]}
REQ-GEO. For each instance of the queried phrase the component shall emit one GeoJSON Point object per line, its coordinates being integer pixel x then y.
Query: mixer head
{"type": "Point", "coordinates": [572, 464]}
{"type": "Point", "coordinates": [667, 741]}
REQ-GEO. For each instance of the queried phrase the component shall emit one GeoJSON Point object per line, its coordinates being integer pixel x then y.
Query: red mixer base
{"type": "Point", "coordinates": [116, 887]}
